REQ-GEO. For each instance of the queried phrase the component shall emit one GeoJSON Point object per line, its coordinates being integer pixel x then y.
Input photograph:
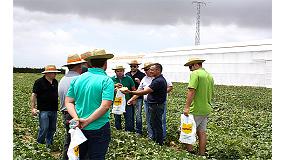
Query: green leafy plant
{"type": "Point", "coordinates": [240, 127]}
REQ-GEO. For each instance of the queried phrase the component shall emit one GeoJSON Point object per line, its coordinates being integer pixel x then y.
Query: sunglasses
{"type": "Point", "coordinates": [146, 69]}
{"type": "Point", "coordinates": [133, 66]}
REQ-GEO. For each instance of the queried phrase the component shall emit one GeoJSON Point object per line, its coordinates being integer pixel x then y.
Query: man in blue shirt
{"type": "Point", "coordinates": [157, 92]}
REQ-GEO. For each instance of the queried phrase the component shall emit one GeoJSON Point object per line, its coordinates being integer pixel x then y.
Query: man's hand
{"type": "Point", "coordinates": [186, 111]}
{"type": "Point", "coordinates": [137, 80]}
{"type": "Point", "coordinates": [83, 122]}
{"type": "Point", "coordinates": [35, 111]}
{"type": "Point", "coordinates": [131, 101]}
{"type": "Point", "coordinates": [74, 123]}
{"type": "Point", "coordinates": [125, 91]}
{"type": "Point", "coordinates": [118, 85]}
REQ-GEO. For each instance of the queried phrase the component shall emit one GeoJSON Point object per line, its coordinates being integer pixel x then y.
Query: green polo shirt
{"type": "Point", "coordinates": [203, 83]}
{"type": "Point", "coordinates": [88, 91]}
{"type": "Point", "coordinates": [126, 81]}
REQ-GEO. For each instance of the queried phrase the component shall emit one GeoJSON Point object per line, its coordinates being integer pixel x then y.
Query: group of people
{"type": "Point", "coordinates": [135, 80]}
{"type": "Point", "coordinates": [87, 93]}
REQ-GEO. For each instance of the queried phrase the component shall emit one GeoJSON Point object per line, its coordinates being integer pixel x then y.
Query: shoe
{"type": "Point", "coordinates": [192, 152]}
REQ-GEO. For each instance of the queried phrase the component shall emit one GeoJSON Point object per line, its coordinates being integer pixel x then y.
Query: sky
{"type": "Point", "coordinates": [46, 31]}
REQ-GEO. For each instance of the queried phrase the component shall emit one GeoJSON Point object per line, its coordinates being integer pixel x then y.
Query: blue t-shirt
{"type": "Point", "coordinates": [159, 87]}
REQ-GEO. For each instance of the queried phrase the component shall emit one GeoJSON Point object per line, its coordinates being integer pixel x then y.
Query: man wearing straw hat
{"type": "Point", "coordinates": [45, 99]}
{"type": "Point", "coordinates": [137, 76]}
{"type": "Point", "coordinates": [199, 100]}
{"type": "Point", "coordinates": [88, 100]}
{"type": "Point", "coordinates": [74, 65]}
{"type": "Point", "coordinates": [122, 80]}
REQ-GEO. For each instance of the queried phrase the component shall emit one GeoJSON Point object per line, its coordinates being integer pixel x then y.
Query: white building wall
{"type": "Point", "coordinates": [241, 64]}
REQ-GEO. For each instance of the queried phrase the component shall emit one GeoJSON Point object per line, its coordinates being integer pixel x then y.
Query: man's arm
{"type": "Point", "coordinates": [169, 88]}
{"type": "Point", "coordinates": [69, 103]}
{"type": "Point", "coordinates": [145, 91]}
{"type": "Point", "coordinates": [133, 99]}
{"type": "Point", "coordinates": [33, 104]}
{"type": "Point", "coordinates": [104, 107]}
{"type": "Point", "coordinates": [118, 85]}
{"type": "Point", "coordinates": [189, 99]}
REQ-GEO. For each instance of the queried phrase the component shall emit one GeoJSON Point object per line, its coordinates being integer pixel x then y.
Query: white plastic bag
{"type": "Point", "coordinates": [119, 105]}
{"type": "Point", "coordinates": [187, 129]}
{"type": "Point", "coordinates": [77, 137]}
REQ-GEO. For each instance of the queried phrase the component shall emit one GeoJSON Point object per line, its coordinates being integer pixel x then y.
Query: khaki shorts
{"type": "Point", "coordinates": [201, 122]}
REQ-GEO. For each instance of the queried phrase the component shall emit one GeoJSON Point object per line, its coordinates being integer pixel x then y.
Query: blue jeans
{"type": "Point", "coordinates": [164, 120]}
{"type": "Point", "coordinates": [47, 120]}
{"type": "Point", "coordinates": [97, 143]}
{"type": "Point", "coordinates": [147, 114]}
{"type": "Point", "coordinates": [129, 119]}
{"type": "Point", "coordinates": [138, 111]}
{"type": "Point", "coordinates": [156, 111]}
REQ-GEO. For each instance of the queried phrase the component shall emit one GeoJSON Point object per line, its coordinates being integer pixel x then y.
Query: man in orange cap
{"type": "Point", "coordinates": [74, 65]}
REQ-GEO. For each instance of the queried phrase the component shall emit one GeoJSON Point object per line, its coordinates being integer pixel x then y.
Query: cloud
{"type": "Point", "coordinates": [252, 14]}
{"type": "Point", "coordinates": [40, 38]}
{"type": "Point", "coordinates": [43, 36]}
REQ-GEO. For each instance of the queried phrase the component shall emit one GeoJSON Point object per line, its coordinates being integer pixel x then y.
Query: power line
{"type": "Point", "coordinates": [197, 34]}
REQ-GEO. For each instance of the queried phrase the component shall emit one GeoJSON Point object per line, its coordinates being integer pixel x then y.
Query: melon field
{"type": "Point", "coordinates": [240, 126]}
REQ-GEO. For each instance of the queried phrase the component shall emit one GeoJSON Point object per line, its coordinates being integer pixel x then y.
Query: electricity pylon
{"type": "Point", "coordinates": [197, 34]}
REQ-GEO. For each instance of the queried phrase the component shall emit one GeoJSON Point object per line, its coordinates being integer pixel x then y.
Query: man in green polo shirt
{"type": "Point", "coordinates": [199, 100]}
{"type": "Point", "coordinates": [88, 100]}
{"type": "Point", "coordinates": [122, 80]}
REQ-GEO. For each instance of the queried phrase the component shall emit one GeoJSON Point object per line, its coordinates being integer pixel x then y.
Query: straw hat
{"type": "Point", "coordinates": [99, 54]}
{"type": "Point", "coordinates": [192, 61]}
{"type": "Point", "coordinates": [134, 62]}
{"type": "Point", "coordinates": [50, 69]}
{"type": "Point", "coordinates": [118, 67]}
{"type": "Point", "coordinates": [74, 59]}
{"type": "Point", "coordinates": [85, 55]}
{"type": "Point", "coordinates": [147, 65]}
